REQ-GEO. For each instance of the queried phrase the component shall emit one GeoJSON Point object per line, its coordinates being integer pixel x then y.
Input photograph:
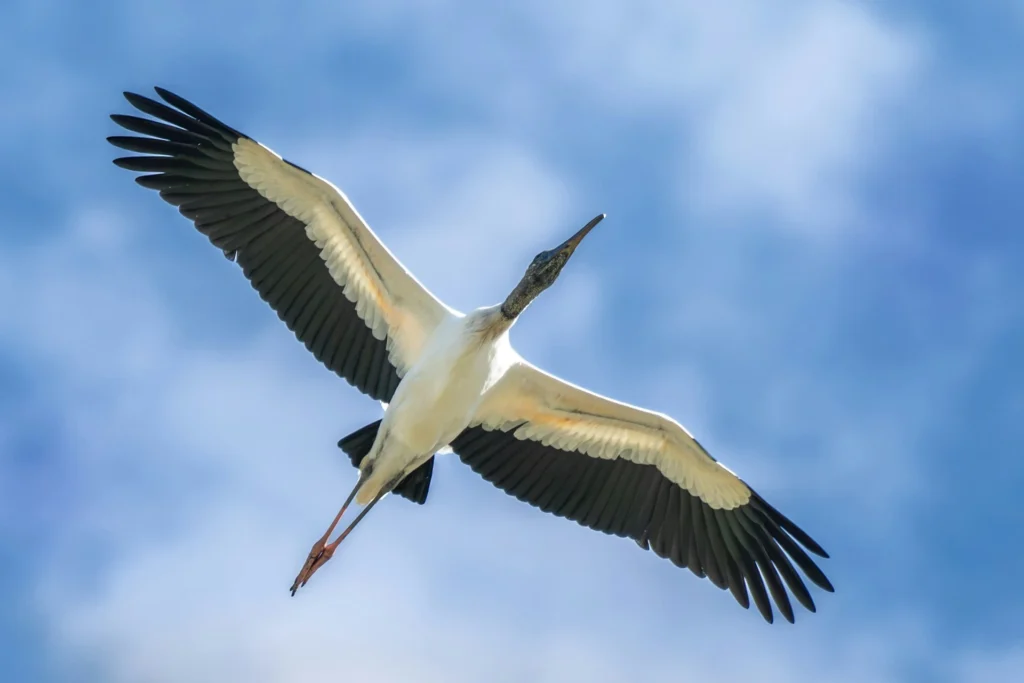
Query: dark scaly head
{"type": "Point", "coordinates": [543, 271]}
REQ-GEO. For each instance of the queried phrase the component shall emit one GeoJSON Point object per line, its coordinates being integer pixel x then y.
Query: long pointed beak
{"type": "Point", "coordinates": [574, 241]}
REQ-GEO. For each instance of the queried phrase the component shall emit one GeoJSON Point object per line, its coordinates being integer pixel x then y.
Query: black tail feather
{"type": "Point", "coordinates": [357, 444]}
{"type": "Point", "coordinates": [416, 484]}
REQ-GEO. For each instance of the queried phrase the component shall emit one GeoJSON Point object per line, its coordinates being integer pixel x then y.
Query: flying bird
{"type": "Point", "coordinates": [452, 380]}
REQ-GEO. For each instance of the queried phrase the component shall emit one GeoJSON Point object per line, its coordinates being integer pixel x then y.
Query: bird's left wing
{"type": "Point", "coordinates": [298, 239]}
{"type": "Point", "coordinates": [631, 472]}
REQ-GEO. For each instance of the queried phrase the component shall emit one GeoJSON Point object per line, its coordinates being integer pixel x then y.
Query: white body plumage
{"type": "Point", "coordinates": [439, 396]}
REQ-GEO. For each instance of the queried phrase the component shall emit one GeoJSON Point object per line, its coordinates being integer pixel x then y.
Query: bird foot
{"type": "Point", "coordinates": [317, 558]}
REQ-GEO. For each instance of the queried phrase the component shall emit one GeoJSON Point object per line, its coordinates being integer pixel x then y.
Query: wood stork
{"type": "Point", "coordinates": [449, 379]}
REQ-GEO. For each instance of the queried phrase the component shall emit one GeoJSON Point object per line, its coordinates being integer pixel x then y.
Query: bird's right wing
{"type": "Point", "coordinates": [631, 472]}
{"type": "Point", "coordinates": [299, 241]}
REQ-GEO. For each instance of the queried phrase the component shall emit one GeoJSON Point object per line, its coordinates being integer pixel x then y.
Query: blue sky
{"type": "Point", "coordinates": [811, 259]}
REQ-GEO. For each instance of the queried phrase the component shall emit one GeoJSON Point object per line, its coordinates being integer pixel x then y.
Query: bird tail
{"type": "Point", "coordinates": [415, 485]}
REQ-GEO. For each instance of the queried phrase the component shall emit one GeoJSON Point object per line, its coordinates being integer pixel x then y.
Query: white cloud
{"type": "Point", "coordinates": [777, 111]}
{"type": "Point", "coordinates": [787, 135]}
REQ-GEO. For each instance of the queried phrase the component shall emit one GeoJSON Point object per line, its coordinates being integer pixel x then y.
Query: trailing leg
{"type": "Point", "coordinates": [316, 558]}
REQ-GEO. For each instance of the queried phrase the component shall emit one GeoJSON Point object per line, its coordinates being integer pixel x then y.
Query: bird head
{"type": "Point", "coordinates": [543, 271]}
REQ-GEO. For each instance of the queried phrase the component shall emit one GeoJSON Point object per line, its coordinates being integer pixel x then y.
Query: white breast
{"type": "Point", "coordinates": [439, 395]}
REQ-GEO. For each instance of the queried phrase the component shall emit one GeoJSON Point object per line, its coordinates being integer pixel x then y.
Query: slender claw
{"type": "Point", "coordinates": [313, 562]}
{"type": "Point", "coordinates": [320, 560]}
{"type": "Point", "coordinates": [320, 553]}
{"type": "Point", "coordinates": [317, 556]}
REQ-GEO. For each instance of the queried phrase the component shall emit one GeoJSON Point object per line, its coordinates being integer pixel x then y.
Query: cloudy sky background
{"type": "Point", "coordinates": [812, 260]}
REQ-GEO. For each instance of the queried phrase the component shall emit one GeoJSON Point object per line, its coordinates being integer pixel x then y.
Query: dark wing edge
{"type": "Point", "coordinates": [751, 549]}
{"type": "Point", "coordinates": [188, 158]}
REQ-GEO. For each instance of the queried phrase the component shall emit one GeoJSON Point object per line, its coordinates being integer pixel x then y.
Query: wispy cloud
{"type": "Point", "coordinates": [775, 111]}
{"type": "Point", "coordinates": [789, 134]}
